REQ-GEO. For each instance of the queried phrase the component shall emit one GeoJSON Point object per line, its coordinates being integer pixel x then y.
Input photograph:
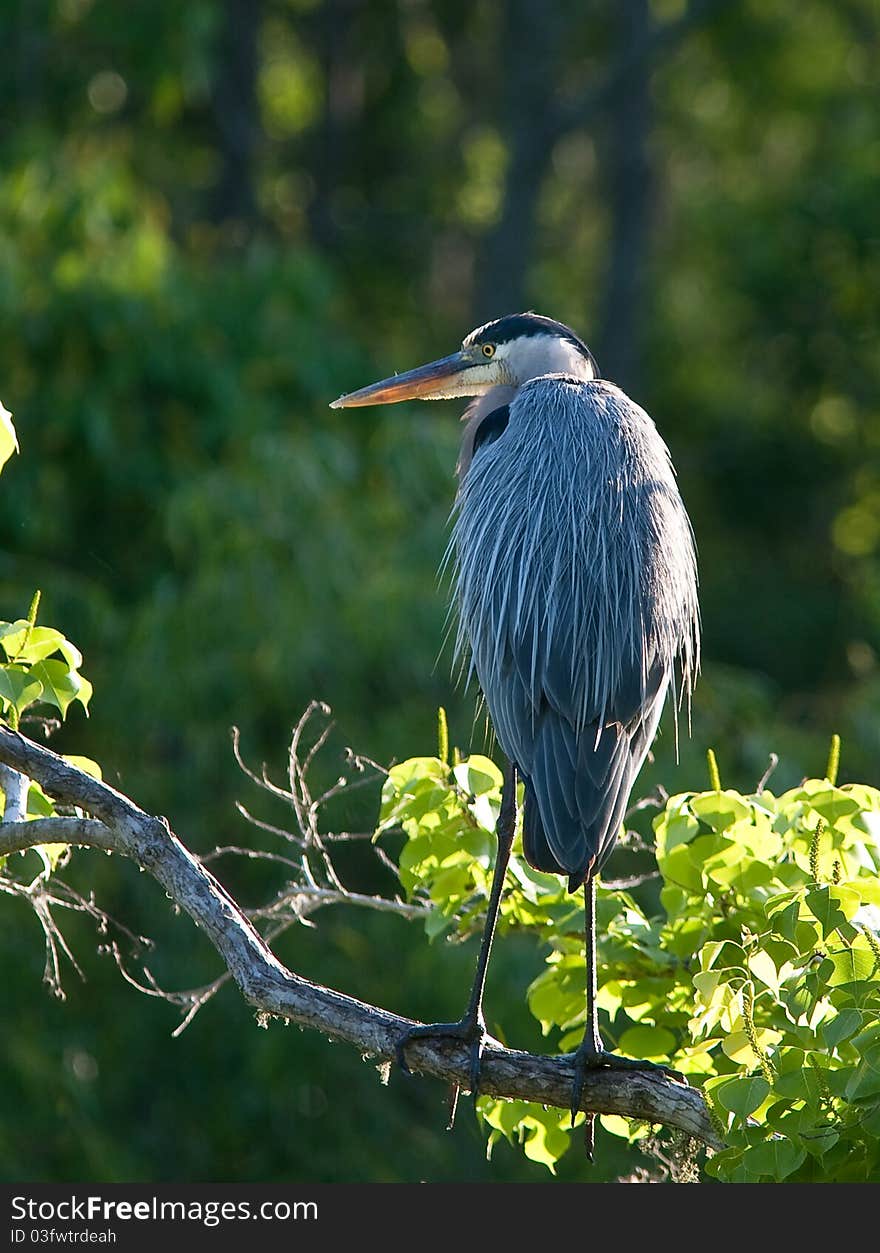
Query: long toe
{"type": "Point", "coordinates": [589, 1057]}
{"type": "Point", "coordinates": [468, 1031]}
{"type": "Point", "coordinates": [613, 1061]}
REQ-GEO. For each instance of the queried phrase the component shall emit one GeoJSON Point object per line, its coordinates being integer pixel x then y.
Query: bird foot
{"type": "Point", "coordinates": [469, 1030]}
{"type": "Point", "coordinates": [592, 1056]}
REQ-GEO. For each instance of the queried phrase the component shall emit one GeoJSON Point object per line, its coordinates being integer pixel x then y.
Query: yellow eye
{"type": "Point", "coordinates": [488, 350]}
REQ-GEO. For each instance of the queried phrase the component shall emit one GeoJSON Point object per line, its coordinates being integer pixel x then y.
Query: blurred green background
{"type": "Point", "coordinates": [214, 218]}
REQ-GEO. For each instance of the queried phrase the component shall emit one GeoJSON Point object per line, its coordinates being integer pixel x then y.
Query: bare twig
{"type": "Point", "coordinates": [254, 854]}
{"type": "Point", "coordinates": [262, 780]}
{"type": "Point", "coordinates": [630, 881]}
{"type": "Point", "coordinates": [765, 777]}
{"type": "Point", "coordinates": [305, 900]}
{"type": "Point", "coordinates": [654, 800]}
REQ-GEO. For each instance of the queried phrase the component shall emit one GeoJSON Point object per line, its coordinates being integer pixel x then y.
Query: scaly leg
{"type": "Point", "coordinates": [472, 1027]}
{"type": "Point", "coordinates": [592, 1054]}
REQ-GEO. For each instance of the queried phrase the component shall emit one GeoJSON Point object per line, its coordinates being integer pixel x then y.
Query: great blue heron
{"type": "Point", "coordinates": [576, 592]}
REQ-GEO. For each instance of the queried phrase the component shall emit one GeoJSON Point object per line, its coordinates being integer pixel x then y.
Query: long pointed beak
{"type": "Point", "coordinates": [440, 380]}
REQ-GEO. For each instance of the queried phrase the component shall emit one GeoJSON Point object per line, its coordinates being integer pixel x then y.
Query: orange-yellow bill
{"type": "Point", "coordinates": [439, 380]}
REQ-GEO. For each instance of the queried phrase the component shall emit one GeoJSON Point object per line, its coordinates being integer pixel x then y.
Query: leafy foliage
{"type": "Point", "coordinates": [758, 975]}
{"type": "Point", "coordinates": [41, 667]}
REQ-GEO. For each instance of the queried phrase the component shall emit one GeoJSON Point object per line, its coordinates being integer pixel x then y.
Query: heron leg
{"type": "Point", "coordinates": [592, 1055]}
{"type": "Point", "coordinates": [472, 1027]}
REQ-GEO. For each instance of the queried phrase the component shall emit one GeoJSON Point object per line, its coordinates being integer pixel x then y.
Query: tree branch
{"type": "Point", "coordinates": [118, 825]}
{"type": "Point", "coordinates": [15, 791]}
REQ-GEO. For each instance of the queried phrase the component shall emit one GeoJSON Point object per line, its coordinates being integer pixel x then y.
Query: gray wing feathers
{"type": "Point", "coordinates": [576, 582]}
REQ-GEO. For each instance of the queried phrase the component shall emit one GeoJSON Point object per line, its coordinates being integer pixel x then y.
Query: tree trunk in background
{"type": "Point", "coordinates": [236, 112]}
{"type": "Point", "coordinates": [507, 251]}
{"type": "Point", "coordinates": [628, 173]}
{"type": "Point", "coordinates": [343, 104]}
{"type": "Point", "coordinates": [531, 32]}
{"type": "Point", "coordinates": [26, 43]}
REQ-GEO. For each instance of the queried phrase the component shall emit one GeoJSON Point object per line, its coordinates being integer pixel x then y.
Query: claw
{"type": "Point", "coordinates": [469, 1031]}
{"type": "Point", "coordinates": [593, 1057]}
{"type": "Point", "coordinates": [400, 1054]}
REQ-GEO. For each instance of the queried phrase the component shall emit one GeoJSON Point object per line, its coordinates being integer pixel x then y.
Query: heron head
{"type": "Point", "coordinates": [507, 352]}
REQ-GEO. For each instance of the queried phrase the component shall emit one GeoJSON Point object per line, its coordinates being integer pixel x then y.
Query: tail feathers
{"type": "Point", "coordinates": [539, 853]}
{"type": "Point", "coordinates": [573, 795]}
{"type": "Point", "coordinates": [576, 796]}
{"type": "Point", "coordinates": [536, 846]}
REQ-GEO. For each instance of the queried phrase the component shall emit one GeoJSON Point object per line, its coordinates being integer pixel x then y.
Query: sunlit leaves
{"type": "Point", "coordinates": [760, 978]}
{"type": "Point", "coordinates": [543, 1133]}
{"type": "Point", "coordinates": [18, 688]}
{"type": "Point", "coordinates": [8, 438]}
{"type": "Point", "coordinates": [41, 666]}
{"type": "Point", "coordinates": [739, 1095]}
{"type": "Point", "coordinates": [783, 997]}
{"type": "Point", "coordinates": [448, 814]}
{"type": "Point", "coordinates": [650, 1043]}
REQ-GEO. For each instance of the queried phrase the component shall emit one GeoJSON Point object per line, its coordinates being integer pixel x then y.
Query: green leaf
{"type": "Point", "coordinates": [720, 810]}
{"type": "Point", "coordinates": [61, 685]}
{"type": "Point", "coordinates": [556, 997]}
{"type": "Point", "coordinates": [8, 437]}
{"type": "Point", "coordinates": [547, 1140]}
{"type": "Point", "coordinates": [85, 764]}
{"type": "Point", "coordinates": [864, 1083]}
{"type": "Point", "coordinates": [833, 803]}
{"type": "Point", "coordinates": [678, 867]}
{"type": "Point", "coordinates": [738, 1048]}
{"type": "Point", "coordinates": [741, 1095]}
{"type": "Point", "coordinates": [648, 1043]}
{"type": "Point", "coordinates": [842, 1027]}
{"type": "Point", "coordinates": [832, 906]}
{"type": "Point", "coordinates": [851, 965]}
{"type": "Point", "coordinates": [543, 1132]}
{"type": "Point", "coordinates": [774, 1159]}
{"type": "Point", "coordinates": [763, 967]}
{"type": "Point", "coordinates": [39, 805]}
{"type": "Point", "coordinates": [26, 643]}
{"type": "Point", "coordinates": [674, 826]}
{"type": "Point", "coordinates": [785, 918]}
{"type": "Point", "coordinates": [686, 936]}
{"type": "Point", "coordinates": [19, 687]}
{"type": "Point", "coordinates": [505, 1116]}
{"type": "Point", "coordinates": [723, 955]}
{"type": "Point", "coordinates": [478, 775]}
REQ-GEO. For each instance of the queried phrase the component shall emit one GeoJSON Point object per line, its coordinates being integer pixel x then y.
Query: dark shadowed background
{"type": "Point", "coordinates": [214, 218]}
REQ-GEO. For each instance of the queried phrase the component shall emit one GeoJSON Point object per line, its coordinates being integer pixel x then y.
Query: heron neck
{"type": "Point", "coordinates": [478, 409]}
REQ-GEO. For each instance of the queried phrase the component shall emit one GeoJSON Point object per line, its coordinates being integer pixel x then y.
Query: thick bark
{"type": "Point", "coordinates": [118, 825]}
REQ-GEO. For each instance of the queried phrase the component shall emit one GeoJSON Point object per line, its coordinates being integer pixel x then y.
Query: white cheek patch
{"type": "Point", "coordinates": [536, 355]}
